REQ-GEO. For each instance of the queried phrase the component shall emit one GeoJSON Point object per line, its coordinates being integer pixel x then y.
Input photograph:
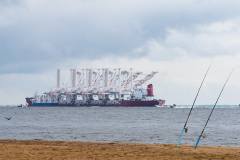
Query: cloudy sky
{"type": "Point", "coordinates": [179, 39]}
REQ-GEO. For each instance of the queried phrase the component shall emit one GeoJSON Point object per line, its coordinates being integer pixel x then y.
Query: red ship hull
{"type": "Point", "coordinates": [151, 103]}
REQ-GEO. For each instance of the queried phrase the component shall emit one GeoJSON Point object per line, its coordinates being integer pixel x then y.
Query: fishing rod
{"type": "Point", "coordinates": [192, 107]}
{"type": "Point", "coordinates": [212, 110]}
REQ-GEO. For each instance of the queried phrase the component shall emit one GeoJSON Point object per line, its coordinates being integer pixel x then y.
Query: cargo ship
{"type": "Point", "coordinates": [101, 87]}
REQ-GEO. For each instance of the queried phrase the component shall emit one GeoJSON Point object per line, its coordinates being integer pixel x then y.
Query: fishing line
{"type": "Point", "coordinates": [192, 107]}
{"type": "Point", "coordinates": [212, 110]}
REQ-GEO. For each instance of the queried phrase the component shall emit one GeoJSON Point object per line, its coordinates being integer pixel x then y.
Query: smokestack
{"type": "Point", "coordinates": [150, 90]}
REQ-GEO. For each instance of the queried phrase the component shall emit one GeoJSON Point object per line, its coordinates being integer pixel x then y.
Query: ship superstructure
{"type": "Point", "coordinates": [99, 87]}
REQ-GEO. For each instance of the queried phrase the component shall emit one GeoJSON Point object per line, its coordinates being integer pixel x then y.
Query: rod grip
{"type": "Point", "coordinates": [180, 137]}
{"type": "Point", "coordinates": [197, 142]}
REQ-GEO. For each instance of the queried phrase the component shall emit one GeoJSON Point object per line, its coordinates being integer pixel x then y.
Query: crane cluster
{"type": "Point", "coordinates": [86, 85]}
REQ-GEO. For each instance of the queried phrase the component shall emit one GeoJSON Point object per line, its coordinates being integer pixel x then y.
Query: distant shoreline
{"type": "Point", "coordinates": [39, 149]}
{"type": "Point", "coordinates": [181, 105]}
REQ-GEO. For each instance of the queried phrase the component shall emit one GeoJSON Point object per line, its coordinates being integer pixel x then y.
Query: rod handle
{"type": "Point", "coordinates": [197, 142]}
{"type": "Point", "coordinates": [180, 137]}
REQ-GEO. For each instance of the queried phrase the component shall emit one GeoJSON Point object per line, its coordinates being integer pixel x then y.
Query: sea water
{"type": "Point", "coordinates": [122, 124]}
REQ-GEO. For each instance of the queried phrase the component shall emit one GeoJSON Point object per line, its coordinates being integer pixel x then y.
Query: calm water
{"type": "Point", "coordinates": [134, 125]}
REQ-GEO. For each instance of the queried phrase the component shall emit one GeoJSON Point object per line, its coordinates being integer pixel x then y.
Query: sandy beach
{"type": "Point", "coordinates": [38, 149]}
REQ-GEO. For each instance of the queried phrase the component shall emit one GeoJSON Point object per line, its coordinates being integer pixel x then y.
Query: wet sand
{"type": "Point", "coordinates": [38, 149]}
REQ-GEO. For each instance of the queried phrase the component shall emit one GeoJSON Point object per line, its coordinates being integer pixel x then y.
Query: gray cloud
{"type": "Point", "coordinates": [7, 3]}
{"type": "Point", "coordinates": [35, 33]}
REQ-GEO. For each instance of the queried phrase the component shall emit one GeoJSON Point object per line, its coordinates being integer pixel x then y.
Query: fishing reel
{"type": "Point", "coordinates": [186, 129]}
{"type": "Point", "coordinates": [204, 135]}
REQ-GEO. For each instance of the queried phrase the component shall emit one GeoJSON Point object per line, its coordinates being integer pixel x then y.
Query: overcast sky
{"type": "Point", "coordinates": [179, 39]}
